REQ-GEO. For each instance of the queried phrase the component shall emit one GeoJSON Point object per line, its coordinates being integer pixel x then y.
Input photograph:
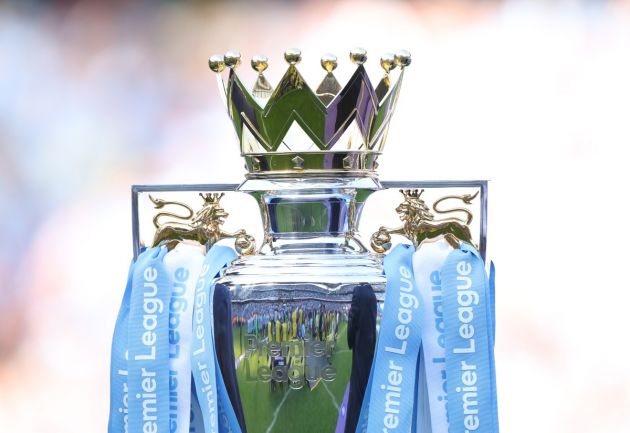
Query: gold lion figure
{"type": "Point", "coordinates": [419, 223]}
{"type": "Point", "coordinates": [203, 227]}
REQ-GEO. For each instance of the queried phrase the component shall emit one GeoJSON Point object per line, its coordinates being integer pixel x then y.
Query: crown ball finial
{"type": "Point", "coordinates": [402, 58]}
{"type": "Point", "coordinates": [358, 56]}
{"type": "Point", "coordinates": [216, 63]}
{"type": "Point", "coordinates": [388, 62]}
{"type": "Point", "coordinates": [260, 63]}
{"type": "Point", "coordinates": [329, 62]}
{"type": "Point", "coordinates": [232, 59]}
{"type": "Point", "coordinates": [293, 56]}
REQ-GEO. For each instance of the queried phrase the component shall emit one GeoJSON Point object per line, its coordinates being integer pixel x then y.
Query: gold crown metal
{"type": "Point", "coordinates": [291, 128]}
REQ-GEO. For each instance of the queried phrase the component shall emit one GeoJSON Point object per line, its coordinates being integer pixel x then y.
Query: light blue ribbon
{"type": "Point", "coordinates": [389, 398]}
{"type": "Point", "coordinates": [210, 388]}
{"type": "Point", "coordinates": [118, 395]}
{"type": "Point", "coordinates": [468, 303]}
{"type": "Point", "coordinates": [491, 348]}
{"type": "Point", "coordinates": [148, 344]}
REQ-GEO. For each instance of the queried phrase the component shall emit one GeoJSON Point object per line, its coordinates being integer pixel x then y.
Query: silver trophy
{"type": "Point", "coordinates": [297, 314]}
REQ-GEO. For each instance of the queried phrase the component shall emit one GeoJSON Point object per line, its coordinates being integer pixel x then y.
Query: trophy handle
{"type": "Point", "coordinates": [419, 223]}
{"type": "Point", "coordinates": [203, 227]}
{"type": "Point", "coordinates": [383, 237]}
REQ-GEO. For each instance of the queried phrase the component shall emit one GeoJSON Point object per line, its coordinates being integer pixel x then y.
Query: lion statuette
{"type": "Point", "coordinates": [203, 227]}
{"type": "Point", "coordinates": [419, 223]}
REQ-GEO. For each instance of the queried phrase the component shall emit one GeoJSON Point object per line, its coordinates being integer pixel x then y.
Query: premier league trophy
{"type": "Point", "coordinates": [298, 316]}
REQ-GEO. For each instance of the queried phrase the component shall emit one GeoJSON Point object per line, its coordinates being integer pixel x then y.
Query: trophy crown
{"type": "Point", "coordinates": [293, 128]}
{"type": "Point", "coordinates": [411, 193]}
{"type": "Point", "coordinates": [211, 198]}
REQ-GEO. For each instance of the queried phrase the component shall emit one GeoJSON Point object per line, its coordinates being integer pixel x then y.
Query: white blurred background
{"type": "Point", "coordinates": [533, 95]}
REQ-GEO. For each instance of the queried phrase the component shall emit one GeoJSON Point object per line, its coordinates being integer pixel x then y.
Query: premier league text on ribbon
{"type": "Point", "coordinates": [467, 298]}
{"type": "Point", "coordinates": [124, 406]}
{"type": "Point", "coordinates": [436, 286]}
{"type": "Point", "coordinates": [151, 306]}
{"type": "Point", "coordinates": [177, 306]}
{"type": "Point", "coordinates": [408, 302]}
{"type": "Point", "coordinates": [201, 332]}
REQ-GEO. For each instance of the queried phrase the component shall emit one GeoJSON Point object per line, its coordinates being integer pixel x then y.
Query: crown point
{"type": "Point", "coordinates": [329, 62]}
{"type": "Point", "coordinates": [402, 58]}
{"type": "Point", "coordinates": [232, 59]}
{"type": "Point", "coordinates": [388, 62]}
{"type": "Point", "coordinates": [216, 63]}
{"type": "Point", "coordinates": [260, 63]}
{"type": "Point", "coordinates": [358, 56]}
{"type": "Point", "coordinates": [293, 56]}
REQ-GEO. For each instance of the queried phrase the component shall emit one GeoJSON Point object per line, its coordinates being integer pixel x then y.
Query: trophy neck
{"type": "Point", "coordinates": [315, 214]}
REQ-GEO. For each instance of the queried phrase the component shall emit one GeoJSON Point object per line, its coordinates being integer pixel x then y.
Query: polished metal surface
{"type": "Point", "coordinates": [292, 121]}
{"type": "Point", "coordinates": [340, 163]}
{"type": "Point", "coordinates": [302, 282]}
